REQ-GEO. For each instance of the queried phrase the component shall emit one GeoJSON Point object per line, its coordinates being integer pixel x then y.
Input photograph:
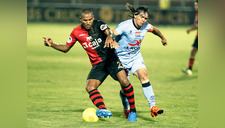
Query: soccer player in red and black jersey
{"type": "Point", "coordinates": [194, 50]}
{"type": "Point", "coordinates": [92, 34]}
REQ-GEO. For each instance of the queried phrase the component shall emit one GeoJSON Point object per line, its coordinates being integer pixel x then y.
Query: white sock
{"type": "Point", "coordinates": [149, 94]}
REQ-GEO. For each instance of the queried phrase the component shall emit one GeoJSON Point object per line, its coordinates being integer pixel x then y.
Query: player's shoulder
{"type": "Point", "coordinates": [126, 22]}
{"type": "Point", "coordinates": [77, 28]}
{"type": "Point", "coordinates": [147, 25]}
{"type": "Point", "coordinates": [100, 25]}
{"type": "Point", "coordinates": [99, 22]}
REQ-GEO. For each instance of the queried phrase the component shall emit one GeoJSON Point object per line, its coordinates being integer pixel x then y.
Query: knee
{"type": "Point", "coordinates": [194, 50]}
{"type": "Point", "coordinates": [144, 79]}
{"type": "Point", "coordinates": [90, 87]}
{"type": "Point", "coordinates": [124, 82]}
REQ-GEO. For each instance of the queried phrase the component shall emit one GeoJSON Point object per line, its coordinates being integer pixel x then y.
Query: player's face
{"type": "Point", "coordinates": [196, 6]}
{"type": "Point", "coordinates": [140, 19]}
{"type": "Point", "coordinates": [87, 20]}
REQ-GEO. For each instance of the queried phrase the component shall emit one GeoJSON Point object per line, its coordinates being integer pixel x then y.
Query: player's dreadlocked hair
{"type": "Point", "coordinates": [134, 11]}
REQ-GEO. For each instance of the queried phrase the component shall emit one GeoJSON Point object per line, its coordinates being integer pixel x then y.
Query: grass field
{"type": "Point", "coordinates": [56, 95]}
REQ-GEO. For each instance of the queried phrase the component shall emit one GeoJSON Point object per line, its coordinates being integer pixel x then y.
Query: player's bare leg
{"type": "Point", "coordinates": [191, 61]}
{"type": "Point", "coordinates": [193, 52]}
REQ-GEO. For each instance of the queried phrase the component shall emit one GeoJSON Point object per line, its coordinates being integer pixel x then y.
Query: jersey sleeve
{"type": "Point", "coordinates": [120, 28]}
{"type": "Point", "coordinates": [72, 40]}
{"type": "Point", "coordinates": [150, 28]}
{"type": "Point", "coordinates": [103, 26]}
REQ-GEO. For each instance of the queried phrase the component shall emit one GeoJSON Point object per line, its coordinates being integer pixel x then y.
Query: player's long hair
{"type": "Point", "coordinates": [133, 11]}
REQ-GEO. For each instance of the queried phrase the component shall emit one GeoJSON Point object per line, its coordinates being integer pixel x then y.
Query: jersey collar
{"type": "Point", "coordinates": [135, 25]}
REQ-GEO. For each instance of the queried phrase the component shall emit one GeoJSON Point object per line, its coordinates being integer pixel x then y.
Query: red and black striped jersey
{"type": "Point", "coordinates": [92, 41]}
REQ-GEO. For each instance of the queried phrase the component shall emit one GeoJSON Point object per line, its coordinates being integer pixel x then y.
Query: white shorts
{"type": "Point", "coordinates": [133, 64]}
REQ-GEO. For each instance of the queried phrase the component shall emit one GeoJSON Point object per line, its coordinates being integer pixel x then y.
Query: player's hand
{"type": "Point", "coordinates": [188, 31]}
{"type": "Point", "coordinates": [47, 41]}
{"type": "Point", "coordinates": [114, 45]}
{"type": "Point", "coordinates": [108, 42]}
{"type": "Point", "coordinates": [164, 42]}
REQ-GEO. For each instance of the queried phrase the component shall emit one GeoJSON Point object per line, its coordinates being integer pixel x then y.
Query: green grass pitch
{"type": "Point", "coordinates": [56, 95]}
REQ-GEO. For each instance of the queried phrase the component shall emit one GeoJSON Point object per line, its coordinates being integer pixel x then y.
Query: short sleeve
{"type": "Point", "coordinates": [103, 26]}
{"type": "Point", "coordinates": [120, 28]}
{"type": "Point", "coordinates": [150, 28]}
{"type": "Point", "coordinates": [71, 41]}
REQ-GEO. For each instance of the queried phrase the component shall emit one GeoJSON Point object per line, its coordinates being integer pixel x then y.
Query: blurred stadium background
{"type": "Point", "coordinates": [163, 12]}
{"type": "Point", "coordinates": [56, 95]}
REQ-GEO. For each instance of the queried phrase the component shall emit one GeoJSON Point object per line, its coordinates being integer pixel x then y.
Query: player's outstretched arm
{"type": "Point", "coordinates": [193, 27]}
{"type": "Point", "coordinates": [110, 42]}
{"type": "Point", "coordinates": [60, 47]}
{"type": "Point", "coordinates": [159, 34]}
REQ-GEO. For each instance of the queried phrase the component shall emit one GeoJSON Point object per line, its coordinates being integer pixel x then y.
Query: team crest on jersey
{"type": "Point", "coordinates": [69, 40]}
{"type": "Point", "coordinates": [103, 27]}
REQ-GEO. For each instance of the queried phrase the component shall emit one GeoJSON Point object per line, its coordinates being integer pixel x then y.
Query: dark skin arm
{"type": "Point", "coordinates": [193, 27]}
{"type": "Point", "coordinates": [109, 40]}
{"type": "Point", "coordinates": [60, 47]}
{"type": "Point", "coordinates": [159, 34]}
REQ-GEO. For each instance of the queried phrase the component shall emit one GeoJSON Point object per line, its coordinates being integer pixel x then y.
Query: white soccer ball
{"type": "Point", "coordinates": [89, 115]}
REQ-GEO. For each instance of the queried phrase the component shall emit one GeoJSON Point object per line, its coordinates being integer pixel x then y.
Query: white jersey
{"type": "Point", "coordinates": [130, 39]}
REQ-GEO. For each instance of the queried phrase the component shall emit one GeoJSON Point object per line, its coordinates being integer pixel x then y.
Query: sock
{"type": "Point", "coordinates": [191, 62]}
{"type": "Point", "coordinates": [97, 99]}
{"type": "Point", "coordinates": [124, 101]}
{"type": "Point", "coordinates": [129, 91]}
{"type": "Point", "coordinates": [149, 94]}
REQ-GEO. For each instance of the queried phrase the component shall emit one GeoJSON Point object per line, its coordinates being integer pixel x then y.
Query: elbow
{"type": "Point", "coordinates": [65, 51]}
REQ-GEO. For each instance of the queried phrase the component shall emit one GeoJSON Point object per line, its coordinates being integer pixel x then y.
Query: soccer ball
{"type": "Point", "coordinates": [89, 115]}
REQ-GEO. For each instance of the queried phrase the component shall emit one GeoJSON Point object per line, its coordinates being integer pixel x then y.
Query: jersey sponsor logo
{"type": "Point", "coordinates": [137, 43]}
{"type": "Point", "coordinates": [69, 40]}
{"type": "Point", "coordinates": [103, 27]}
{"type": "Point", "coordinates": [93, 45]}
{"type": "Point", "coordinates": [89, 38]}
{"type": "Point", "coordinates": [138, 33]}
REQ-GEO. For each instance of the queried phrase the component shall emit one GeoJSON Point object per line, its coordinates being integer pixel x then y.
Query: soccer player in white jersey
{"type": "Point", "coordinates": [129, 35]}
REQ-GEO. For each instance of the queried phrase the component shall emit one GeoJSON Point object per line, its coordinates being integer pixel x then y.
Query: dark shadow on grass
{"type": "Point", "coordinates": [183, 77]}
{"type": "Point", "coordinates": [118, 114]}
{"type": "Point", "coordinates": [139, 115]}
{"type": "Point", "coordinates": [149, 118]}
